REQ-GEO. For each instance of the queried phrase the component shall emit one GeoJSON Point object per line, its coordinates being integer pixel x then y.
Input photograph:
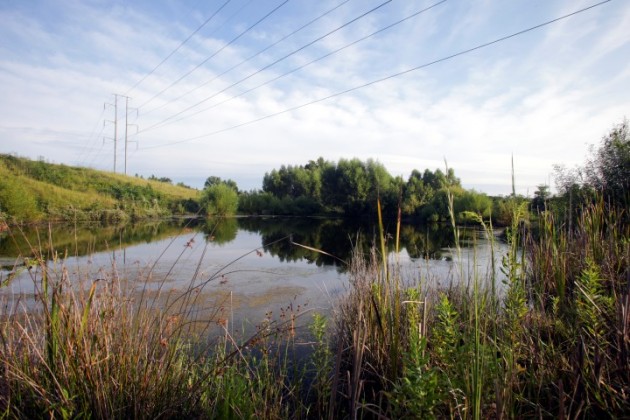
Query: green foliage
{"type": "Point", "coordinates": [416, 394]}
{"type": "Point", "coordinates": [161, 179]}
{"type": "Point", "coordinates": [472, 201]}
{"type": "Point", "coordinates": [347, 186]}
{"type": "Point", "coordinates": [215, 180]}
{"type": "Point", "coordinates": [415, 194]}
{"type": "Point", "coordinates": [541, 197]}
{"type": "Point", "coordinates": [256, 203]}
{"type": "Point", "coordinates": [503, 209]}
{"type": "Point", "coordinates": [219, 200]}
{"type": "Point", "coordinates": [294, 181]}
{"type": "Point", "coordinates": [321, 360]}
{"type": "Point", "coordinates": [265, 203]}
{"type": "Point", "coordinates": [352, 187]}
{"type": "Point", "coordinates": [16, 201]}
{"type": "Point", "coordinates": [594, 306]}
{"type": "Point", "coordinates": [445, 334]}
{"type": "Point", "coordinates": [222, 230]}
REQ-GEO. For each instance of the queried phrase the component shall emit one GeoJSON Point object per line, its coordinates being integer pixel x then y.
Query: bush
{"type": "Point", "coordinates": [219, 200]}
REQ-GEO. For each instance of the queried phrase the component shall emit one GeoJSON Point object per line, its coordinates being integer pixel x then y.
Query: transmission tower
{"type": "Point", "coordinates": [115, 123]}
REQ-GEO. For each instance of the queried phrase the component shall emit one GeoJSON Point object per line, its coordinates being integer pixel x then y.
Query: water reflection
{"type": "Point", "coordinates": [220, 231]}
{"type": "Point", "coordinates": [79, 240]}
{"type": "Point", "coordinates": [336, 237]}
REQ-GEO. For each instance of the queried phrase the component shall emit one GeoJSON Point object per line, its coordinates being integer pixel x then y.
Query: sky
{"type": "Point", "coordinates": [236, 88]}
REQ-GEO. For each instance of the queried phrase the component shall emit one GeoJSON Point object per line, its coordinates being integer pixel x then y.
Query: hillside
{"type": "Point", "coordinates": [36, 190]}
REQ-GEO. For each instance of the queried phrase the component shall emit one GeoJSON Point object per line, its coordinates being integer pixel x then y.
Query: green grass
{"type": "Point", "coordinates": [35, 190]}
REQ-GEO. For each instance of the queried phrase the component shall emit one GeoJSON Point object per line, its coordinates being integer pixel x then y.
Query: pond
{"type": "Point", "coordinates": [247, 267]}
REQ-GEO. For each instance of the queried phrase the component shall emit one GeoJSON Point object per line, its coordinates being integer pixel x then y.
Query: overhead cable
{"type": "Point", "coordinates": [216, 52]}
{"type": "Point", "coordinates": [245, 92]}
{"type": "Point", "coordinates": [267, 48]}
{"type": "Point", "coordinates": [92, 137]}
{"type": "Point", "coordinates": [273, 63]}
{"type": "Point", "coordinates": [177, 48]}
{"type": "Point", "coordinates": [389, 77]}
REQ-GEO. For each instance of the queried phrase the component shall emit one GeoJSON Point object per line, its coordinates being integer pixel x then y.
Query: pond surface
{"type": "Point", "coordinates": [247, 266]}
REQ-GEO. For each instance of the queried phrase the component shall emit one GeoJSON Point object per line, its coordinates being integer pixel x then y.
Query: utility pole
{"type": "Point", "coordinates": [126, 127]}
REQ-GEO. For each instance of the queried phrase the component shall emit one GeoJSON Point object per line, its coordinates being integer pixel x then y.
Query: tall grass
{"type": "Point", "coordinates": [551, 342]}
{"type": "Point", "coordinates": [81, 351]}
{"type": "Point", "coordinates": [97, 348]}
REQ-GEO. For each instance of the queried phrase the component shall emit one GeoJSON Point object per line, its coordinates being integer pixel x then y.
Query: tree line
{"type": "Point", "coordinates": [348, 187]}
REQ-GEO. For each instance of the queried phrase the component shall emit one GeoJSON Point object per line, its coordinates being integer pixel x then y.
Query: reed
{"type": "Point", "coordinates": [551, 342]}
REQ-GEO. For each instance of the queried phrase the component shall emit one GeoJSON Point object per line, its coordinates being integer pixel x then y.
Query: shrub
{"type": "Point", "coordinates": [219, 200]}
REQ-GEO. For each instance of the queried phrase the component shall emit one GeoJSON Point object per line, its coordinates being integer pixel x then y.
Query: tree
{"type": "Point", "coordinates": [471, 201]}
{"type": "Point", "coordinates": [541, 196]}
{"type": "Point", "coordinates": [606, 173]}
{"type": "Point", "coordinates": [212, 180]}
{"type": "Point", "coordinates": [609, 169]}
{"type": "Point", "coordinates": [435, 180]}
{"type": "Point", "coordinates": [347, 186]}
{"type": "Point", "coordinates": [415, 194]}
{"type": "Point", "coordinates": [381, 186]}
{"type": "Point", "coordinates": [215, 180]}
{"type": "Point", "coordinates": [162, 179]}
{"type": "Point", "coordinates": [219, 200]}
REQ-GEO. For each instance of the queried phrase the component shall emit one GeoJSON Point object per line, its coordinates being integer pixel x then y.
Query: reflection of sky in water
{"type": "Point", "coordinates": [244, 278]}
{"type": "Point", "coordinates": [472, 262]}
{"type": "Point", "coordinates": [253, 283]}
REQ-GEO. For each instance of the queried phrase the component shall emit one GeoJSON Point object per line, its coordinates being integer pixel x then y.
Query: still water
{"type": "Point", "coordinates": [247, 266]}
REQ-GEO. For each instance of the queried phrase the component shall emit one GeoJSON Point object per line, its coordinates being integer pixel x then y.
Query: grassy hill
{"type": "Point", "coordinates": [36, 190]}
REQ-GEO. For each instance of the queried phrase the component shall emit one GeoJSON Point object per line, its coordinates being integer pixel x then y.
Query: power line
{"type": "Point", "coordinates": [178, 47]}
{"type": "Point", "coordinates": [252, 56]}
{"type": "Point", "coordinates": [127, 128]}
{"type": "Point", "coordinates": [86, 154]}
{"type": "Point", "coordinates": [273, 63]}
{"type": "Point", "coordinates": [216, 52]}
{"type": "Point", "coordinates": [391, 76]}
{"type": "Point", "coordinates": [164, 122]}
{"type": "Point", "coordinates": [91, 138]}
{"type": "Point", "coordinates": [96, 154]}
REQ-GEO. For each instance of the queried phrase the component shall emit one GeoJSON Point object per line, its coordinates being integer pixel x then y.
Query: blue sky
{"type": "Point", "coordinates": [217, 105]}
